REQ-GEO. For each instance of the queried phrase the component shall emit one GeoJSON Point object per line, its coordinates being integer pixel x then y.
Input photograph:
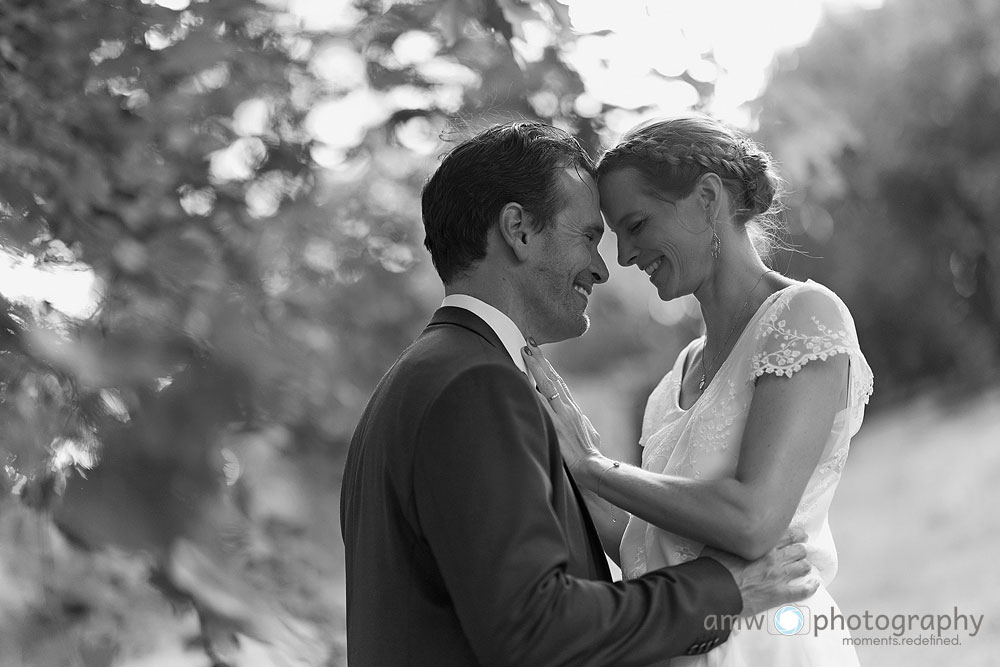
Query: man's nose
{"type": "Point", "coordinates": [598, 269]}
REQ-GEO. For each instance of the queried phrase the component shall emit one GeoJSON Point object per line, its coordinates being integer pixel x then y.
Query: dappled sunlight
{"type": "Point", "coordinates": [415, 47]}
{"type": "Point", "coordinates": [339, 65]}
{"type": "Point", "coordinates": [71, 289]}
{"type": "Point", "coordinates": [252, 117]}
{"type": "Point", "coordinates": [238, 161]}
{"type": "Point", "coordinates": [176, 5]}
{"type": "Point", "coordinates": [342, 122]}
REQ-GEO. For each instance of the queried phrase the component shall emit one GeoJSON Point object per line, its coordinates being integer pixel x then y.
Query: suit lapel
{"type": "Point", "coordinates": [469, 320]}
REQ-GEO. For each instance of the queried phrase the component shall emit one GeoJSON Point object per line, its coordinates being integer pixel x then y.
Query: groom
{"type": "Point", "coordinates": [467, 541]}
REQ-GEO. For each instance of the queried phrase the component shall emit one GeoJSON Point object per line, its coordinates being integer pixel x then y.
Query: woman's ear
{"type": "Point", "coordinates": [516, 229]}
{"type": "Point", "coordinates": [709, 190]}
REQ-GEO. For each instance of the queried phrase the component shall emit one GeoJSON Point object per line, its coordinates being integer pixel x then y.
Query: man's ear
{"type": "Point", "coordinates": [516, 229]}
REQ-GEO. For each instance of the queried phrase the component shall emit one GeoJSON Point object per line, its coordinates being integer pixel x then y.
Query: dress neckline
{"type": "Point", "coordinates": [682, 358]}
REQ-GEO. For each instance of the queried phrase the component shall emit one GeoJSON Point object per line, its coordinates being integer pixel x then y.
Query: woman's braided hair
{"type": "Point", "coordinates": [671, 155]}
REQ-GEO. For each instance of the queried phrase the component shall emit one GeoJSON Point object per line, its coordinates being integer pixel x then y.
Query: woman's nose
{"type": "Point", "coordinates": [627, 254]}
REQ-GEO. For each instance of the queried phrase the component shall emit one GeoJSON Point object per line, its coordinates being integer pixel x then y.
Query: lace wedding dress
{"type": "Point", "coordinates": [800, 324]}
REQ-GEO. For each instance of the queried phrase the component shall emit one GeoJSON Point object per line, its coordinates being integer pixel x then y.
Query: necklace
{"type": "Point", "coordinates": [739, 315]}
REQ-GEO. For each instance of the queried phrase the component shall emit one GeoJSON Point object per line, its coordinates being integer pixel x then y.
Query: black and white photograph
{"type": "Point", "coordinates": [525, 333]}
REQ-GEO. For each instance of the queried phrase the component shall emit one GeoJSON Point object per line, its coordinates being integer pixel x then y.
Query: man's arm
{"type": "Point", "coordinates": [483, 497]}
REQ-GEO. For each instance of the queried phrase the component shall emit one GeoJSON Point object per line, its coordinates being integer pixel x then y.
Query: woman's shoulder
{"type": "Point", "coordinates": [805, 321]}
{"type": "Point", "coordinates": [807, 300]}
{"type": "Point", "coordinates": [808, 321]}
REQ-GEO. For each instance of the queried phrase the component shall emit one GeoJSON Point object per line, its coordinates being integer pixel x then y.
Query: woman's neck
{"type": "Point", "coordinates": [734, 292]}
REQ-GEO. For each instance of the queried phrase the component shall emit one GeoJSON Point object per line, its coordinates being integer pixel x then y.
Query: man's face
{"type": "Point", "coordinates": [566, 267]}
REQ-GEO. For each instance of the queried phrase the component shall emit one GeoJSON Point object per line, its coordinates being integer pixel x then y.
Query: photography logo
{"type": "Point", "coordinates": [789, 620]}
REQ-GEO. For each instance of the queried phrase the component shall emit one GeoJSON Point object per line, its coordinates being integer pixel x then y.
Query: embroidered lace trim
{"type": "Point", "coordinates": [796, 348]}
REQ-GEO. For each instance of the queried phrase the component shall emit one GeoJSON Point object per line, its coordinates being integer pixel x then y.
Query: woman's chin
{"type": "Point", "coordinates": [664, 290]}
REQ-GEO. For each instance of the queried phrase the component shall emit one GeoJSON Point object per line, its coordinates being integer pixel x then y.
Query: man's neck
{"type": "Point", "coordinates": [492, 290]}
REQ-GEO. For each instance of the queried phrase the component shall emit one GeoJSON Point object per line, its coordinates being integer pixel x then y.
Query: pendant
{"type": "Point", "coordinates": [701, 383]}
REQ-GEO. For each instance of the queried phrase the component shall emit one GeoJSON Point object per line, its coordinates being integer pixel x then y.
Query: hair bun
{"type": "Point", "coordinates": [759, 184]}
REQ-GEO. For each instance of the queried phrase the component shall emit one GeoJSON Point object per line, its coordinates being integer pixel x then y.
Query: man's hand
{"type": "Point", "coordinates": [767, 581]}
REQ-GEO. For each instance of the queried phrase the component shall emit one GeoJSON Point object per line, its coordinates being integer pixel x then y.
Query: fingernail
{"type": "Point", "coordinates": [532, 342]}
{"type": "Point", "coordinates": [527, 350]}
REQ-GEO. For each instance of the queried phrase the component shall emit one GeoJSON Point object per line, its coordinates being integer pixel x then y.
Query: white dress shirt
{"type": "Point", "coordinates": [503, 327]}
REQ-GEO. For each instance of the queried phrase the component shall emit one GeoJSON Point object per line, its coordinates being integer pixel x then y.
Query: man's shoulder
{"type": "Point", "coordinates": [446, 350]}
{"type": "Point", "coordinates": [443, 355]}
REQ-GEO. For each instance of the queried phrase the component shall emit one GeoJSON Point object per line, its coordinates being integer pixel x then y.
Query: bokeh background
{"type": "Point", "coordinates": [210, 250]}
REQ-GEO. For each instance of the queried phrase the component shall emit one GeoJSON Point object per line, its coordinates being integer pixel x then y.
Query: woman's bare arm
{"type": "Point", "coordinates": [788, 424]}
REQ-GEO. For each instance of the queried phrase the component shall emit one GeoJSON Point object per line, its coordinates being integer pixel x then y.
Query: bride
{"type": "Point", "coordinates": [748, 433]}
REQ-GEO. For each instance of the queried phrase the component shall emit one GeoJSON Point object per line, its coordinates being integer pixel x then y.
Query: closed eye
{"type": "Point", "coordinates": [635, 227]}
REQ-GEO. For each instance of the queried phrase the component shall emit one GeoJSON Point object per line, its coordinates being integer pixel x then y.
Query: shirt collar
{"type": "Point", "coordinates": [503, 326]}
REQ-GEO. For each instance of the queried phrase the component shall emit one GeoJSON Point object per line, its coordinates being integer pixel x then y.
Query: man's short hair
{"type": "Point", "coordinates": [512, 162]}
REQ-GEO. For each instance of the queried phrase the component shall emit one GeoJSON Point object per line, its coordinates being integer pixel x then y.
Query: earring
{"type": "Point", "coordinates": [716, 241]}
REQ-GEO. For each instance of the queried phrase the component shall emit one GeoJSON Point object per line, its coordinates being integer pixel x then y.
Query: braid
{"type": "Point", "coordinates": [742, 161]}
{"type": "Point", "coordinates": [714, 158]}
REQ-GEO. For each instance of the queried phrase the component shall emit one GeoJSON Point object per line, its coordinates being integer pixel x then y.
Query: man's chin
{"type": "Point", "coordinates": [569, 331]}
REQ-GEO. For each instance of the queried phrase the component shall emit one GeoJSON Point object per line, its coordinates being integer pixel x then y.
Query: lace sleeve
{"type": "Point", "coordinates": [810, 323]}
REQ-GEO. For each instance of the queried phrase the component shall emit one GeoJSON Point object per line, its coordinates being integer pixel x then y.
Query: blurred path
{"type": "Point", "coordinates": [917, 527]}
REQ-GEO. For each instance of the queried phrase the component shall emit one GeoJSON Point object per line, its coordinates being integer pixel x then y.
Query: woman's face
{"type": "Point", "coordinates": [669, 240]}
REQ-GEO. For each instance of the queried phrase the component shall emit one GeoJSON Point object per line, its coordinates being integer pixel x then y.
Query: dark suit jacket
{"type": "Point", "coordinates": [467, 542]}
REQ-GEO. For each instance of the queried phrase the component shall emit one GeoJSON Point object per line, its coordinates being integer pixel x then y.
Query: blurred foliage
{"type": "Point", "coordinates": [242, 186]}
{"type": "Point", "coordinates": [885, 123]}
